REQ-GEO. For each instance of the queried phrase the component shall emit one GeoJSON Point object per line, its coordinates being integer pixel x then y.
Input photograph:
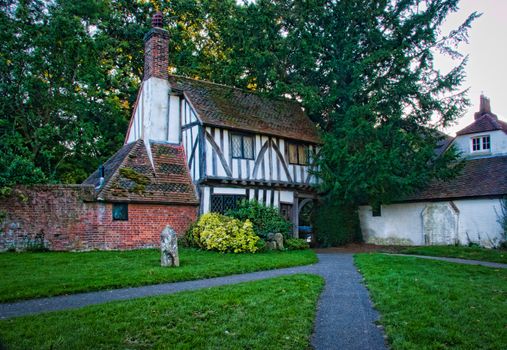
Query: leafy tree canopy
{"type": "Point", "coordinates": [363, 70]}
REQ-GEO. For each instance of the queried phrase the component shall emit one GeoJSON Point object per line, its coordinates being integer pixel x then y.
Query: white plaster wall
{"type": "Point", "coordinates": [398, 224]}
{"type": "Point", "coordinates": [403, 223]}
{"type": "Point", "coordinates": [478, 221]}
{"type": "Point", "coordinates": [156, 116]}
{"type": "Point", "coordinates": [498, 143]}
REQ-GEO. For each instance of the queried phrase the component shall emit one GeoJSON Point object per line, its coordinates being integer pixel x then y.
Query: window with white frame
{"type": "Point", "coordinates": [481, 143]}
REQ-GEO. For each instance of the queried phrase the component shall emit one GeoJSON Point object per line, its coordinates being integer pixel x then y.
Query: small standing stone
{"type": "Point", "coordinates": [169, 247]}
{"type": "Point", "coordinates": [271, 245]}
{"type": "Point", "coordinates": [279, 240]}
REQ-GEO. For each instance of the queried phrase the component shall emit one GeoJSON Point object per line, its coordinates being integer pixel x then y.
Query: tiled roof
{"type": "Point", "coordinates": [229, 107]}
{"type": "Point", "coordinates": [480, 177]}
{"type": "Point", "coordinates": [484, 123]}
{"type": "Point", "coordinates": [129, 176]}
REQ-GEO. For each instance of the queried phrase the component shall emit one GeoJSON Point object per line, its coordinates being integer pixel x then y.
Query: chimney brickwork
{"type": "Point", "coordinates": [156, 51]}
{"type": "Point", "coordinates": [484, 108]}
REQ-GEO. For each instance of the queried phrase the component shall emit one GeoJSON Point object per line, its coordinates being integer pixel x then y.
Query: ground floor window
{"type": "Point", "coordinates": [221, 203]}
{"type": "Point", "coordinates": [120, 211]}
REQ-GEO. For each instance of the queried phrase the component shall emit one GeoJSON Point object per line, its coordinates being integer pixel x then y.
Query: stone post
{"type": "Point", "coordinates": [169, 247]}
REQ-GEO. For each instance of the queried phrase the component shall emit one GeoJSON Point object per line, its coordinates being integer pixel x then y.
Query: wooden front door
{"type": "Point", "coordinates": [286, 211]}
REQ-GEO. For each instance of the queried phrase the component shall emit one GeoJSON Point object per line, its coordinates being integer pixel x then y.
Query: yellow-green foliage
{"type": "Point", "coordinates": [224, 234]}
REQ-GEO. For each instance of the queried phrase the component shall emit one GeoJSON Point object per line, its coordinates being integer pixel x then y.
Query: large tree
{"type": "Point", "coordinates": [69, 75]}
{"type": "Point", "coordinates": [364, 70]}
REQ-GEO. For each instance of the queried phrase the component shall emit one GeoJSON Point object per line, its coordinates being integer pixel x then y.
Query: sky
{"type": "Point", "coordinates": [487, 49]}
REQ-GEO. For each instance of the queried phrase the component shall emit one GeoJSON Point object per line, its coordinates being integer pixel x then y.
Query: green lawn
{"type": "Point", "coordinates": [428, 304]}
{"type": "Point", "coordinates": [473, 253]}
{"type": "Point", "coordinates": [31, 275]}
{"type": "Point", "coordinates": [269, 314]}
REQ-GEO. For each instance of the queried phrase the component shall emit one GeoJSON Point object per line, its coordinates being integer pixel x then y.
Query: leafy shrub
{"type": "Point", "coordinates": [261, 245]}
{"type": "Point", "coordinates": [296, 244]}
{"type": "Point", "coordinates": [224, 234]}
{"type": "Point", "coordinates": [265, 219]}
{"type": "Point", "coordinates": [188, 240]}
{"type": "Point", "coordinates": [336, 224]}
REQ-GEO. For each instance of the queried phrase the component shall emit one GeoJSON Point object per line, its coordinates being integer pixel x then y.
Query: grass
{"type": "Point", "coordinates": [473, 253]}
{"type": "Point", "coordinates": [269, 314]}
{"type": "Point", "coordinates": [32, 275]}
{"type": "Point", "coordinates": [437, 305]}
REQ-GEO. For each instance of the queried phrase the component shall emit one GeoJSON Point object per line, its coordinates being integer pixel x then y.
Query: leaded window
{"type": "Point", "coordinates": [223, 202]}
{"type": "Point", "coordinates": [298, 154]}
{"type": "Point", "coordinates": [120, 211]}
{"type": "Point", "coordinates": [242, 146]}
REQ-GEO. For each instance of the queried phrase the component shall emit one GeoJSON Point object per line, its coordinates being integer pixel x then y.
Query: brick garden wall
{"type": "Point", "coordinates": [144, 225]}
{"type": "Point", "coordinates": [68, 218]}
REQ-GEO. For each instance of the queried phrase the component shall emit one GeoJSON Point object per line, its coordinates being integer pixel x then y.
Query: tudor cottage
{"type": "Point", "coordinates": [236, 144]}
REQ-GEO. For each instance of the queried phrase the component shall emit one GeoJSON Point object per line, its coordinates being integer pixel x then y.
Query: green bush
{"type": "Point", "coordinates": [188, 240]}
{"type": "Point", "coordinates": [296, 244]}
{"type": "Point", "coordinates": [265, 219]}
{"type": "Point", "coordinates": [224, 234]}
{"type": "Point", "coordinates": [336, 224]}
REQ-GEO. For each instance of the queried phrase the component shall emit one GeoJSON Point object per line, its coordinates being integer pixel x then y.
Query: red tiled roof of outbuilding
{"type": "Point", "coordinates": [130, 177]}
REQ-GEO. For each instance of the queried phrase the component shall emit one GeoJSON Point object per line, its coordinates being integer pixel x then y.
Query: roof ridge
{"type": "Point", "coordinates": [115, 174]}
{"type": "Point", "coordinates": [257, 93]}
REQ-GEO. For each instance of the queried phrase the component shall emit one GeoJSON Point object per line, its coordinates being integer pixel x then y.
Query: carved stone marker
{"type": "Point", "coordinates": [274, 241]}
{"type": "Point", "coordinates": [279, 241]}
{"type": "Point", "coordinates": [169, 247]}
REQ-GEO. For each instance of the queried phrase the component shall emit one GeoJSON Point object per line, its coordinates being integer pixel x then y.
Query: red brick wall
{"type": "Point", "coordinates": [144, 225]}
{"type": "Point", "coordinates": [69, 219]}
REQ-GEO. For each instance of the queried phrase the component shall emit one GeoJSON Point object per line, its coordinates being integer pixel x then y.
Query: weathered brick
{"type": "Point", "coordinates": [70, 219]}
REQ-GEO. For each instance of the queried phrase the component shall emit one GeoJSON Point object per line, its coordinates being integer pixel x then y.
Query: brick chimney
{"type": "Point", "coordinates": [485, 108]}
{"type": "Point", "coordinates": [154, 119]}
{"type": "Point", "coordinates": [156, 52]}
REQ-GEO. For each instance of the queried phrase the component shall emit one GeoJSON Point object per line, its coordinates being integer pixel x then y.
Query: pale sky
{"type": "Point", "coordinates": [487, 49]}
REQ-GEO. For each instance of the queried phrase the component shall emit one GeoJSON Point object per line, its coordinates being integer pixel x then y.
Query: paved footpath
{"type": "Point", "coordinates": [345, 316]}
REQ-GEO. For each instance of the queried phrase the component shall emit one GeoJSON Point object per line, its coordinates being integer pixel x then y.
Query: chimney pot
{"type": "Point", "coordinates": [158, 20]}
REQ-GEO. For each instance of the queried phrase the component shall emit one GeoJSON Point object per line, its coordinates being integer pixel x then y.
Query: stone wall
{"type": "Point", "coordinates": [68, 218]}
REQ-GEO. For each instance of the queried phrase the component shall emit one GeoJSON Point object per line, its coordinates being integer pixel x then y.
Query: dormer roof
{"type": "Point", "coordinates": [485, 120]}
{"type": "Point", "coordinates": [229, 107]}
{"type": "Point", "coordinates": [485, 123]}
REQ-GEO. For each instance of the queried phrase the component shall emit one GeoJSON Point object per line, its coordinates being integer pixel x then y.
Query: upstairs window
{"type": "Point", "coordinates": [298, 154]}
{"type": "Point", "coordinates": [242, 146]}
{"type": "Point", "coordinates": [481, 143]}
